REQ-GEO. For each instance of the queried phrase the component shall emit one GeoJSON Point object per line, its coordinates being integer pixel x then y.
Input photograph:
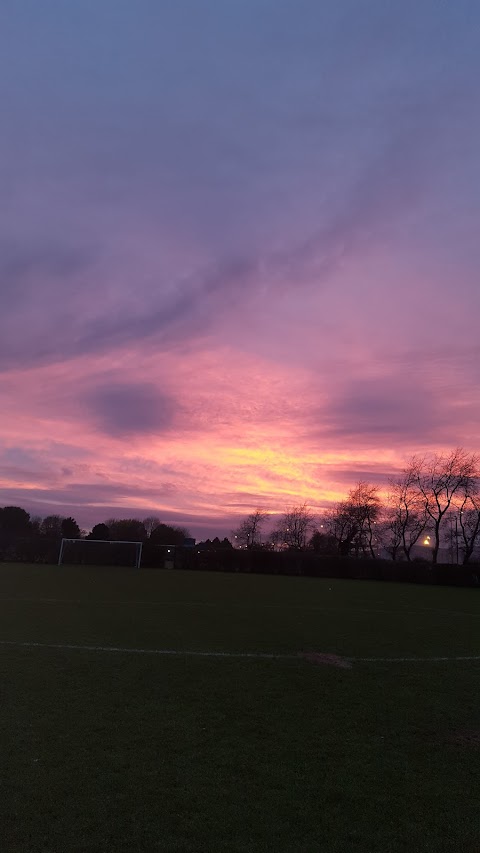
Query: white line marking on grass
{"type": "Point", "coordinates": [315, 657]}
{"type": "Point", "coordinates": [328, 659]}
{"type": "Point", "coordinates": [161, 652]}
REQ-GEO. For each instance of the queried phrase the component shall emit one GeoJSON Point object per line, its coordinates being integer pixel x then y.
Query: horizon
{"type": "Point", "coordinates": [239, 255]}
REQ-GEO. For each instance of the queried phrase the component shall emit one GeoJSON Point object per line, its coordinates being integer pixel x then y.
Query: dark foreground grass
{"type": "Point", "coordinates": [106, 751]}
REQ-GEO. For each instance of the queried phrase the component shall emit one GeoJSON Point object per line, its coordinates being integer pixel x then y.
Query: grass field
{"type": "Point", "coordinates": [122, 752]}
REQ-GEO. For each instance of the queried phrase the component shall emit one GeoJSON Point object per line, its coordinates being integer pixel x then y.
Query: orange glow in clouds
{"type": "Point", "coordinates": [240, 433]}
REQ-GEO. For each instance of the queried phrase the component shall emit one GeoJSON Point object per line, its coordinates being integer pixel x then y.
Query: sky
{"type": "Point", "coordinates": [239, 254]}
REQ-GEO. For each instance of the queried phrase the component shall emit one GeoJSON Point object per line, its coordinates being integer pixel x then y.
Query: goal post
{"type": "Point", "coordinates": [108, 545]}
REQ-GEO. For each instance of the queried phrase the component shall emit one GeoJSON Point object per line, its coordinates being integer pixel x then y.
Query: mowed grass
{"type": "Point", "coordinates": [110, 751]}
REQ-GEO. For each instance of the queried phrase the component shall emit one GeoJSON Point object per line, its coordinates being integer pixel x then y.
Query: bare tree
{"type": "Point", "coordinates": [443, 481]}
{"type": "Point", "coordinates": [469, 517]}
{"type": "Point", "coordinates": [392, 532]}
{"type": "Point", "coordinates": [366, 506]}
{"type": "Point", "coordinates": [249, 533]}
{"type": "Point", "coordinates": [353, 521]}
{"type": "Point", "coordinates": [342, 525]}
{"type": "Point", "coordinates": [150, 523]}
{"type": "Point", "coordinates": [406, 514]}
{"type": "Point", "coordinates": [295, 527]}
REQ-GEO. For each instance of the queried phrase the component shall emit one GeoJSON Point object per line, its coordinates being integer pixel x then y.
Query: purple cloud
{"type": "Point", "coordinates": [383, 411]}
{"type": "Point", "coordinates": [279, 200]}
{"type": "Point", "coordinates": [124, 410]}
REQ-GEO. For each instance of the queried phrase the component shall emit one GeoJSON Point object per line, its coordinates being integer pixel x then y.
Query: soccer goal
{"type": "Point", "coordinates": [100, 552]}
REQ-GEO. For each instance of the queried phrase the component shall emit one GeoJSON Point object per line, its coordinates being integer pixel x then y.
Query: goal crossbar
{"type": "Point", "coordinates": [138, 547]}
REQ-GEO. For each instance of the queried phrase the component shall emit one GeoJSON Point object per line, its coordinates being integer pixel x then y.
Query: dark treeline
{"type": "Point", "coordinates": [28, 538]}
{"type": "Point", "coordinates": [421, 530]}
{"type": "Point", "coordinates": [431, 512]}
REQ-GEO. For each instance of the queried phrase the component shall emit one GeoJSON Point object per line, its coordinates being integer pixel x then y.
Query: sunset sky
{"type": "Point", "coordinates": [239, 251]}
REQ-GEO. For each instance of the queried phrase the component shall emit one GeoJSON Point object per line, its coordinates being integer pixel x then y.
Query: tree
{"type": "Point", "coordinates": [14, 520]}
{"type": "Point", "coordinates": [249, 534]}
{"type": "Point", "coordinates": [406, 518]}
{"type": "Point", "coordinates": [126, 529]}
{"type": "Point", "coordinates": [168, 534]}
{"type": "Point", "coordinates": [99, 531]}
{"type": "Point", "coordinates": [322, 542]}
{"type": "Point", "coordinates": [275, 541]}
{"type": "Point", "coordinates": [295, 527]}
{"type": "Point", "coordinates": [342, 526]}
{"type": "Point", "coordinates": [150, 523]}
{"type": "Point", "coordinates": [353, 521]}
{"type": "Point", "coordinates": [391, 532]}
{"type": "Point", "coordinates": [444, 480]}
{"type": "Point", "coordinates": [51, 526]}
{"type": "Point", "coordinates": [469, 517]}
{"type": "Point", "coordinates": [36, 523]}
{"type": "Point", "coordinates": [70, 529]}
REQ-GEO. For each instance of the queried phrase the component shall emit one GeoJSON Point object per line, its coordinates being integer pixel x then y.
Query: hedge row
{"type": "Point", "coordinates": [307, 564]}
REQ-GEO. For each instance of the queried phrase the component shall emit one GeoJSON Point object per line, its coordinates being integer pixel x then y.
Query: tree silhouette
{"type": "Point", "coordinates": [295, 528]}
{"type": "Point", "coordinates": [444, 481]}
{"type": "Point", "coordinates": [126, 529]}
{"type": "Point", "coordinates": [406, 518]}
{"type": "Point", "coordinates": [99, 531]}
{"type": "Point", "coordinates": [15, 520]}
{"type": "Point", "coordinates": [353, 521]}
{"type": "Point", "coordinates": [249, 534]}
{"type": "Point", "coordinates": [166, 534]}
{"type": "Point", "coordinates": [70, 529]}
{"type": "Point", "coordinates": [468, 518]}
{"type": "Point", "coordinates": [150, 523]}
{"type": "Point", "coordinates": [51, 526]}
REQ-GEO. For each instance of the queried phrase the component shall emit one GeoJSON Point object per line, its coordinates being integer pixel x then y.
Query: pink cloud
{"type": "Point", "coordinates": [250, 286]}
{"type": "Point", "coordinates": [91, 435]}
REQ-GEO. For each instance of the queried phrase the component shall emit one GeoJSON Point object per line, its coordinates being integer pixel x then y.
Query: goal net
{"type": "Point", "coordinates": [100, 552]}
